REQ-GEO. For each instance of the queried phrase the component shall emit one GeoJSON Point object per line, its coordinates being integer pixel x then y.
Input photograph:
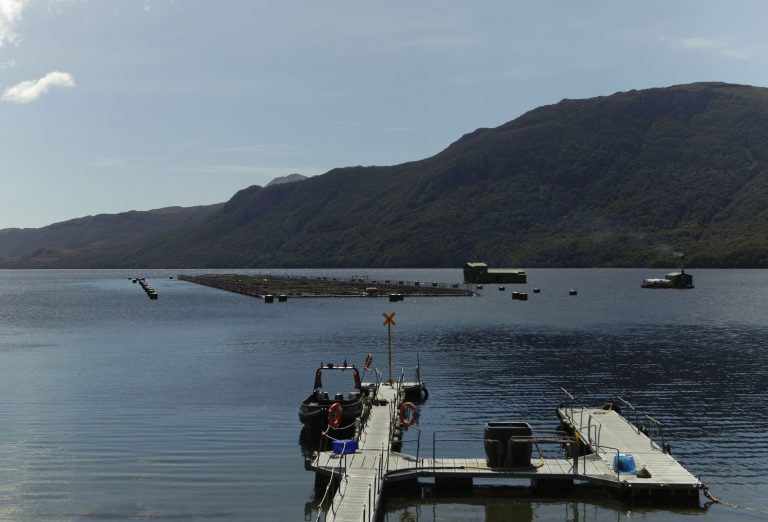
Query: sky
{"type": "Point", "coordinates": [108, 106]}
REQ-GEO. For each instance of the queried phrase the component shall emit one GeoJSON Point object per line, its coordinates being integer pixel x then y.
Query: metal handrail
{"type": "Point", "coordinates": [569, 403]}
{"type": "Point", "coordinates": [417, 440]}
{"type": "Point", "coordinates": [660, 429]}
{"type": "Point", "coordinates": [598, 427]}
{"type": "Point", "coordinates": [342, 476]}
{"type": "Point", "coordinates": [555, 438]}
{"type": "Point", "coordinates": [618, 475]}
{"type": "Point", "coordinates": [657, 426]}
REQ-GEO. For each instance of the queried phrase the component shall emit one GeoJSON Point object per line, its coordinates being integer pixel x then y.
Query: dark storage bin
{"type": "Point", "coordinates": [501, 451]}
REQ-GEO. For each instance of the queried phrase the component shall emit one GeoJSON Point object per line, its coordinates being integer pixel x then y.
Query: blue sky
{"type": "Point", "coordinates": [116, 105]}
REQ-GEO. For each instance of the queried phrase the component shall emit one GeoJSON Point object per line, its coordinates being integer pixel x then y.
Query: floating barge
{"type": "Point", "coordinates": [479, 273]}
{"type": "Point", "coordinates": [601, 447]}
{"type": "Point", "coordinates": [268, 286]}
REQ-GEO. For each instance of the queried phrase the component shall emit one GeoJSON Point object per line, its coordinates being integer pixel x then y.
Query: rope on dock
{"type": "Point", "coordinates": [322, 500]}
{"type": "Point", "coordinates": [715, 500]}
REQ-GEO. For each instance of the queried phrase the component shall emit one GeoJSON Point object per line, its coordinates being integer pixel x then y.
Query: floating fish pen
{"type": "Point", "coordinates": [286, 286]}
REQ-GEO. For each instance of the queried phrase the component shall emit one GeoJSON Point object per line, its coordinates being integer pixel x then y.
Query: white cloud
{"type": "Point", "coordinates": [10, 15]}
{"type": "Point", "coordinates": [731, 48]}
{"type": "Point", "coordinates": [702, 43]}
{"type": "Point", "coordinates": [31, 90]}
{"type": "Point", "coordinates": [7, 65]}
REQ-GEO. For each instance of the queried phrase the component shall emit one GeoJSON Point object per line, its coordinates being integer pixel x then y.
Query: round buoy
{"type": "Point", "coordinates": [334, 415]}
{"type": "Point", "coordinates": [409, 414]}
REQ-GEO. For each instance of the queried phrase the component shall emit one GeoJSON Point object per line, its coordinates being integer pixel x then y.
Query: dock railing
{"type": "Point", "coordinates": [569, 409]}
{"type": "Point", "coordinates": [594, 431]}
{"type": "Point", "coordinates": [553, 438]}
{"type": "Point", "coordinates": [342, 476]}
{"type": "Point", "coordinates": [640, 422]}
{"type": "Point", "coordinates": [654, 429]}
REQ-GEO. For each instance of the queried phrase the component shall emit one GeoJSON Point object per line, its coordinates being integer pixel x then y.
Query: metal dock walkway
{"type": "Point", "coordinates": [361, 475]}
{"type": "Point", "coordinates": [594, 438]}
{"type": "Point", "coordinates": [608, 434]}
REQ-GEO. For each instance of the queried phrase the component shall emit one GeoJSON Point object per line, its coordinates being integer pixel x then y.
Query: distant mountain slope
{"type": "Point", "coordinates": [290, 178]}
{"type": "Point", "coordinates": [93, 240]}
{"type": "Point", "coordinates": [620, 180]}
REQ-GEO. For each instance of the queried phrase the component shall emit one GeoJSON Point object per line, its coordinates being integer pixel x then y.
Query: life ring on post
{"type": "Point", "coordinates": [334, 415]}
{"type": "Point", "coordinates": [368, 360]}
{"type": "Point", "coordinates": [409, 414]}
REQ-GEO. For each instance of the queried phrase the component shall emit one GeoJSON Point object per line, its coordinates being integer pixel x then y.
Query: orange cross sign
{"type": "Point", "coordinates": [389, 320]}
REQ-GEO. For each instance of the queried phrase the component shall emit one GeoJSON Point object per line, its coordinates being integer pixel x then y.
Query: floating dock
{"type": "Point", "coordinates": [595, 441]}
{"type": "Point", "coordinates": [151, 292]}
{"type": "Point", "coordinates": [610, 437]}
{"type": "Point", "coordinates": [269, 286]}
{"type": "Point", "coordinates": [359, 477]}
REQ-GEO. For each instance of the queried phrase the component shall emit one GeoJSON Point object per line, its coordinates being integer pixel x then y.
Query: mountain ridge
{"type": "Point", "coordinates": [616, 180]}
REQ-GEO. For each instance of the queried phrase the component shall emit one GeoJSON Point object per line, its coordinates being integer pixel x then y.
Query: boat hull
{"type": "Point", "coordinates": [313, 413]}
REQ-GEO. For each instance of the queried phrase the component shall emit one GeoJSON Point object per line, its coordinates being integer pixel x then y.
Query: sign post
{"type": "Point", "coordinates": [389, 322]}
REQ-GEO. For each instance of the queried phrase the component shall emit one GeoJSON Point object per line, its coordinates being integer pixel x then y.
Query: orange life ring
{"type": "Point", "coordinates": [409, 414]}
{"type": "Point", "coordinates": [334, 415]}
{"type": "Point", "coordinates": [368, 360]}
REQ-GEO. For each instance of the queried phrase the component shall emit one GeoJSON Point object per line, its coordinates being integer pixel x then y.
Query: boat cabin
{"type": "Point", "coordinates": [336, 383]}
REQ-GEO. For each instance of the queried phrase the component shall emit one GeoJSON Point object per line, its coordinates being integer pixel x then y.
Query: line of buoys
{"type": "Point", "coordinates": [151, 292]}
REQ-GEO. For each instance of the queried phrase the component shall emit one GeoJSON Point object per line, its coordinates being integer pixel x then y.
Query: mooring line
{"type": "Point", "coordinates": [715, 500]}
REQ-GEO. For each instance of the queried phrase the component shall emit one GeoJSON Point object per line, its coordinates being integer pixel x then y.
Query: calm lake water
{"type": "Point", "coordinates": [115, 407]}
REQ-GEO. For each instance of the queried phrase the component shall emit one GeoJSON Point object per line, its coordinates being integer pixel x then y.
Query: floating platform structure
{"type": "Point", "coordinates": [267, 285]}
{"type": "Point", "coordinates": [151, 292]}
{"type": "Point", "coordinates": [479, 273]}
{"type": "Point", "coordinates": [679, 280]}
{"type": "Point", "coordinates": [632, 461]}
{"type": "Point", "coordinates": [601, 447]}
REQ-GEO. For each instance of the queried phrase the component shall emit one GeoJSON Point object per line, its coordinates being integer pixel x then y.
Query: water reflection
{"type": "Point", "coordinates": [501, 503]}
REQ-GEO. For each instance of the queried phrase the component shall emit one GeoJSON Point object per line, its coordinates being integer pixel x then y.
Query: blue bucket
{"type": "Point", "coordinates": [624, 464]}
{"type": "Point", "coordinates": [344, 447]}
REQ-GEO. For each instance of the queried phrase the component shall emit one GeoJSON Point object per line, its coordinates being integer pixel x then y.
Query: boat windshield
{"type": "Point", "coordinates": [339, 381]}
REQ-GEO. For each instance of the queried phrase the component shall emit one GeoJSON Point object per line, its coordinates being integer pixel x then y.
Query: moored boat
{"type": "Point", "coordinates": [336, 398]}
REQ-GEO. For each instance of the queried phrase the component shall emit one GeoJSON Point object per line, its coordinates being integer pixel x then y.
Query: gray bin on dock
{"type": "Point", "coordinates": [501, 451]}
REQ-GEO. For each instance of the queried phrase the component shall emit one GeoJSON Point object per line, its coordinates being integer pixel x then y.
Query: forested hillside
{"type": "Point", "coordinates": [620, 180]}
